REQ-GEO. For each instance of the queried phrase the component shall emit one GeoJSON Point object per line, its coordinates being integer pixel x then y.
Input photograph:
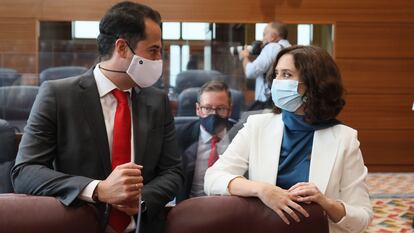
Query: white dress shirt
{"type": "Point", "coordinates": [203, 154]}
{"type": "Point", "coordinates": [109, 104]}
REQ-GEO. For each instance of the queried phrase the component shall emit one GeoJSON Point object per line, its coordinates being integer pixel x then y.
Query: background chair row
{"type": "Point", "coordinates": [16, 101]}
{"type": "Point", "coordinates": [9, 77]}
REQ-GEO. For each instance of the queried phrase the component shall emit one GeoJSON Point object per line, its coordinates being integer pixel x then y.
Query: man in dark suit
{"type": "Point", "coordinates": [201, 141]}
{"type": "Point", "coordinates": [107, 137]}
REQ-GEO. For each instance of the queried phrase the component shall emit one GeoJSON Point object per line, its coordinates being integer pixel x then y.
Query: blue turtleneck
{"type": "Point", "coordinates": [295, 154]}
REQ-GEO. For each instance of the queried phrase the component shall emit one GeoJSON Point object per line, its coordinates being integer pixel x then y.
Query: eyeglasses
{"type": "Point", "coordinates": [222, 111]}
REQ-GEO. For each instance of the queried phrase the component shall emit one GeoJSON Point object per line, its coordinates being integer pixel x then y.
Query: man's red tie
{"type": "Point", "coordinates": [121, 152]}
{"type": "Point", "coordinates": [213, 153]}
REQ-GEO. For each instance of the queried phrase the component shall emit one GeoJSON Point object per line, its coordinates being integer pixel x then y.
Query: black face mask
{"type": "Point", "coordinates": [214, 123]}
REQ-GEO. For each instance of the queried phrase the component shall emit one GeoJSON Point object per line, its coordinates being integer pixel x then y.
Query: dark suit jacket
{"type": "Point", "coordinates": [65, 145]}
{"type": "Point", "coordinates": [187, 136]}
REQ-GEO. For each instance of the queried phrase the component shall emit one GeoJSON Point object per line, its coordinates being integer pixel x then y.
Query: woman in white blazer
{"type": "Point", "coordinates": [300, 152]}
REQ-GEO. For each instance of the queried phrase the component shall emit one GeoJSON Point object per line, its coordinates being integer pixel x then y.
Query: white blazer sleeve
{"type": "Point", "coordinates": [354, 192]}
{"type": "Point", "coordinates": [231, 164]}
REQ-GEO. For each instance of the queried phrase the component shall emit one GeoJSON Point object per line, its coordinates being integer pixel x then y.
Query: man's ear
{"type": "Point", "coordinates": [121, 48]}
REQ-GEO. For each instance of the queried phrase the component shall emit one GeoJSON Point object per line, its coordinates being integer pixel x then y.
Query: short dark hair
{"type": "Point", "coordinates": [124, 20]}
{"type": "Point", "coordinates": [214, 85]}
{"type": "Point", "coordinates": [281, 29]}
{"type": "Point", "coordinates": [323, 98]}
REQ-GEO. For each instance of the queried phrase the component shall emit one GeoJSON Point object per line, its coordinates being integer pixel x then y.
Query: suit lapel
{"type": "Point", "coordinates": [142, 122]}
{"type": "Point", "coordinates": [273, 141]}
{"type": "Point", "coordinates": [92, 110]}
{"type": "Point", "coordinates": [324, 152]}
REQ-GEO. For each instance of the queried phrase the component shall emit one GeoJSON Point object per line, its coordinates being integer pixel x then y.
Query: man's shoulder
{"type": "Point", "coordinates": [277, 45]}
{"type": "Point", "coordinates": [188, 127]}
{"type": "Point", "coordinates": [65, 83]}
{"type": "Point", "coordinates": [154, 90]}
{"type": "Point", "coordinates": [188, 133]}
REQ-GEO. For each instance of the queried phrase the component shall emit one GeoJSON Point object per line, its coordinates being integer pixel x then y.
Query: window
{"type": "Point", "coordinates": [85, 29]}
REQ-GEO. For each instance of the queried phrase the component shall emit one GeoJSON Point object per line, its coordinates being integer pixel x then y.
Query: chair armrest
{"type": "Point", "coordinates": [38, 214]}
{"type": "Point", "coordinates": [229, 214]}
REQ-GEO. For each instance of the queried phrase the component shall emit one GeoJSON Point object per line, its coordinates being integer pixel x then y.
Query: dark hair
{"type": "Point", "coordinates": [214, 85]}
{"type": "Point", "coordinates": [323, 97]}
{"type": "Point", "coordinates": [124, 20]}
{"type": "Point", "coordinates": [281, 29]}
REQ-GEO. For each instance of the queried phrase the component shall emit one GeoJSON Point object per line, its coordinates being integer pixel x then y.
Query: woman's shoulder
{"type": "Point", "coordinates": [344, 131]}
{"type": "Point", "coordinates": [263, 118]}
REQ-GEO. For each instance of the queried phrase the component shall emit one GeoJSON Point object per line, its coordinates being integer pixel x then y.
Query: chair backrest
{"type": "Point", "coordinates": [8, 148]}
{"type": "Point", "coordinates": [8, 76]}
{"type": "Point", "coordinates": [60, 72]}
{"type": "Point", "coordinates": [181, 120]}
{"type": "Point", "coordinates": [17, 101]}
{"type": "Point", "coordinates": [188, 98]}
{"type": "Point", "coordinates": [231, 214]}
{"type": "Point", "coordinates": [8, 151]}
{"type": "Point", "coordinates": [22, 213]}
{"type": "Point", "coordinates": [196, 78]}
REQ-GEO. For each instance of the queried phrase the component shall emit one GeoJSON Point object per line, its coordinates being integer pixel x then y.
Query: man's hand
{"type": "Point", "coordinates": [244, 53]}
{"type": "Point", "coordinates": [122, 187]}
{"type": "Point", "coordinates": [131, 208]}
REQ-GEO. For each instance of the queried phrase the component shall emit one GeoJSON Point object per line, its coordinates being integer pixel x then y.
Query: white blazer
{"type": "Point", "coordinates": [336, 166]}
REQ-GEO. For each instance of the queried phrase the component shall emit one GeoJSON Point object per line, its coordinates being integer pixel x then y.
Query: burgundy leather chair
{"type": "Point", "coordinates": [228, 214]}
{"type": "Point", "coordinates": [21, 213]}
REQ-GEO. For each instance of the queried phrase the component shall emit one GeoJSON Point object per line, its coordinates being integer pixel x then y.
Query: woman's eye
{"type": "Point", "coordinates": [286, 75]}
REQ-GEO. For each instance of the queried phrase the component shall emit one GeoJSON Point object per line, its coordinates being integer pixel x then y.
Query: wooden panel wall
{"type": "Point", "coordinates": [224, 11]}
{"type": "Point", "coordinates": [377, 61]}
{"type": "Point", "coordinates": [373, 47]}
{"type": "Point", "coordinates": [18, 44]}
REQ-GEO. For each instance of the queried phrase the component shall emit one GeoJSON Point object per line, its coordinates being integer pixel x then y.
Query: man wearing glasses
{"type": "Point", "coordinates": [202, 140]}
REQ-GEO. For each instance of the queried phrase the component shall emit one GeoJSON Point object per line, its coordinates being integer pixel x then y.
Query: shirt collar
{"type": "Point", "coordinates": [104, 85]}
{"type": "Point", "coordinates": [206, 136]}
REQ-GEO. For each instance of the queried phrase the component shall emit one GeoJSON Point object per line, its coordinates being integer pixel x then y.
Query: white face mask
{"type": "Point", "coordinates": [144, 72]}
{"type": "Point", "coordinates": [285, 94]}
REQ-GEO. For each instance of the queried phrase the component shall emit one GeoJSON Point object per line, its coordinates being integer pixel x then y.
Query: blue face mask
{"type": "Point", "coordinates": [285, 94]}
{"type": "Point", "coordinates": [213, 123]}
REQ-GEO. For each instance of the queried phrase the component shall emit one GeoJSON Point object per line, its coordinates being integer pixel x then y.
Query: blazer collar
{"type": "Point", "coordinates": [142, 121]}
{"type": "Point", "coordinates": [272, 140]}
{"type": "Point", "coordinates": [93, 113]}
{"type": "Point", "coordinates": [324, 152]}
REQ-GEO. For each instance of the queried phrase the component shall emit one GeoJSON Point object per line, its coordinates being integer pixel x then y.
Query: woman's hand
{"type": "Point", "coordinates": [279, 201]}
{"type": "Point", "coordinates": [308, 192]}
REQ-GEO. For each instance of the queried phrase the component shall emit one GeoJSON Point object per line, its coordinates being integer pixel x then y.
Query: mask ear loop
{"type": "Point", "coordinates": [117, 71]}
{"type": "Point", "coordinates": [130, 47]}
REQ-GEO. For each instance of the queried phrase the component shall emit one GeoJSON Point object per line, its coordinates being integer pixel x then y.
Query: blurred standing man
{"type": "Point", "coordinates": [202, 140]}
{"type": "Point", "coordinates": [107, 137]}
{"type": "Point", "coordinates": [274, 39]}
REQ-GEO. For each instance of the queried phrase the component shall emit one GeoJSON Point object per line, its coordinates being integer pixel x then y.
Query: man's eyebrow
{"type": "Point", "coordinates": [155, 47]}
